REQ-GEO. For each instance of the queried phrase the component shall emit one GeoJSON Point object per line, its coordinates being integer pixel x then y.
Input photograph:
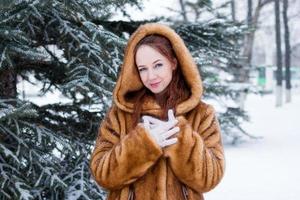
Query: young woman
{"type": "Point", "coordinates": [159, 140]}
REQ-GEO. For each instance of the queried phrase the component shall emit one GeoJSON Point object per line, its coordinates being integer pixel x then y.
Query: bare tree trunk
{"type": "Point", "coordinates": [233, 10]}
{"type": "Point", "coordinates": [243, 71]}
{"type": "Point", "coordinates": [250, 36]}
{"type": "Point", "coordinates": [249, 15]}
{"type": "Point", "coordinates": [183, 11]}
{"type": "Point", "coordinates": [8, 84]}
{"type": "Point", "coordinates": [252, 23]}
{"type": "Point", "coordinates": [252, 20]}
{"type": "Point", "coordinates": [288, 96]}
{"type": "Point", "coordinates": [279, 55]}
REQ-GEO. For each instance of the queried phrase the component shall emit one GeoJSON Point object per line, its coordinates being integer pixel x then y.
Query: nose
{"type": "Point", "coordinates": [151, 74]}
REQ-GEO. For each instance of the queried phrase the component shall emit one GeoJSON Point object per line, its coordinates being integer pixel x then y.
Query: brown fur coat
{"type": "Point", "coordinates": [127, 161]}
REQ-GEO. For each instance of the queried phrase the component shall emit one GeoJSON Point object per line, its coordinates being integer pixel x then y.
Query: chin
{"type": "Point", "coordinates": [157, 91]}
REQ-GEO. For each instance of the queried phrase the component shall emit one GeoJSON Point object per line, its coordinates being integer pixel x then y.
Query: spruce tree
{"type": "Point", "coordinates": [45, 149]}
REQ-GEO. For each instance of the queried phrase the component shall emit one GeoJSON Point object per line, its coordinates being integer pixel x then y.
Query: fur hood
{"type": "Point", "coordinates": [129, 80]}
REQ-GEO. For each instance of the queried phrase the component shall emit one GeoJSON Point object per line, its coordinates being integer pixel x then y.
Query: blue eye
{"type": "Point", "coordinates": [158, 65]}
{"type": "Point", "coordinates": [142, 69]}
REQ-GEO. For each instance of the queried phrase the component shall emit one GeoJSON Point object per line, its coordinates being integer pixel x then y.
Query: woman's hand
{"type": "Point", "coordinates": [161, 131]}
{"type": "Point", "coordinates": [155, 122]}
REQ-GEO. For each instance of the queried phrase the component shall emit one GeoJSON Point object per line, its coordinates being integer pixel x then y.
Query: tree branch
{"type": "Point", "coordinates": [262, 3]}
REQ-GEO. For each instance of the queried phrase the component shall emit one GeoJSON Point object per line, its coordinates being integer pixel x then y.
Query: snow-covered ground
{"type": "Point", "coordinates": [268, 168]}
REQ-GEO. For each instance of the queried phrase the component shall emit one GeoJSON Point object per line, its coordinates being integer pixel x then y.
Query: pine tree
{"type": "Point", "coordinates": [45, 149]}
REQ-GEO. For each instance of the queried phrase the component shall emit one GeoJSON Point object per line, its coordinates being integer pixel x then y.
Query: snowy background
{"type": "Point", "coordinates": [267, 168]}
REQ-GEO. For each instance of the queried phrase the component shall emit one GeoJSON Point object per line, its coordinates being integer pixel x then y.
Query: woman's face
{"type": "Point", "coordinates": [155, 69]}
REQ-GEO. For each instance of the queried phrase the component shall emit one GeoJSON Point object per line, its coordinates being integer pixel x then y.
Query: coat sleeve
{"type": "Point", "coordinates": [118, 162]}
{"type": "Point", "coordinates": [197, 159]}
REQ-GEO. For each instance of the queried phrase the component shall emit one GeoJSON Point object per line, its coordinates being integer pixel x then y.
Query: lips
{"type": "Point", "coordinates": [154, 85]}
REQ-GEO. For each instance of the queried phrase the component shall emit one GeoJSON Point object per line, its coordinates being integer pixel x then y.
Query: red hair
{"type": "Point", "coordinates": [177, 90]}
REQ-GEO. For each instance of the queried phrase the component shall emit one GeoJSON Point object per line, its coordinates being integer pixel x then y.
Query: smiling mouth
{"type": "Point", "coordinates": [154, 84]}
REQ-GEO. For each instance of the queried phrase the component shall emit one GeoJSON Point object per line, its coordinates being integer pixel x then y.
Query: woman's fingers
{"type": "Point", "coordinates": [170, 124]}
{"type": "Point", "coordinates": [152, 120]}
{"type": "Point", "coordinates": [171, 132]}
{"type": "Point", "coordinates": [171, 115]}
{"type": "Point", "coordinates": [169, 142]}
{"type": "Point", "coordinates": [146, 124]}
{"type": "Point", "coordinates": [153, 126]}
{"type": "Point", "coordinates": [165, 125]}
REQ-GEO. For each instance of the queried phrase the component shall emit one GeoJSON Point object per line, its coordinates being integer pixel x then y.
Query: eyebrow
{"type": "Point", "coordinates": [152, 63]}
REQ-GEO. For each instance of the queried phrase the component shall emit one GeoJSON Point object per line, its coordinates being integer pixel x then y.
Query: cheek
{"type": "Point", "coordinates": [167, 74]}
{"type": "Point", "coordinates": [143, 77]}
